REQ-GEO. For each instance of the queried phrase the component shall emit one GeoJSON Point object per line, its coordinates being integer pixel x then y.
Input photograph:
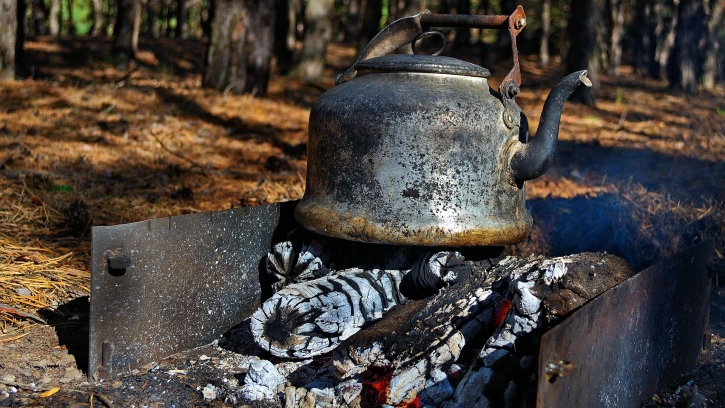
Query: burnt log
{"type": "Point", "coordinates": [311, 318]}
{"type": "Point", "coordinates": [314, 308]}
{"type": "Point", "coordinates": [504, 374]}
{"type": "Point", "coordinates": [494, 315]}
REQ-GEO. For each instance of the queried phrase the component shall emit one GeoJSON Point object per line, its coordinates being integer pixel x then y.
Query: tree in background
{"type": "Point", "coordinates": [585, 28]}
{"type": "Point", "coordinates": [318, 33]}
{"type": "Point", "coordinates": [685, 65]}
{"type": "Point", "coordinates": [545, 33]}
{"type": "Point", "coordinates": [616, 10]}
{"type": "Point", "coordinates": [372, 14]}
{"type": "Point", "coordinates": [182, 19]}
{"type": "Point", "coordinates": [98, 18]}
{"type": "Point", "coordinates": [54, 18]}
{"type": "Point", "coordinates": [126, 31]}
{"type": "Point", "coordinates": [20, 10]}
{"type": "Point", "coordinates": [241, 45]}
{"type": "Point", "coordinates": [714, 55]}
{"type": "Point", "coordinates": [285, 33]}
{"type": "Point", "coordinates": [683, 40]}
{"type": "Point", "coordinates": [8, 33]}
{"type": "Point", "coordinates": [40, 17]}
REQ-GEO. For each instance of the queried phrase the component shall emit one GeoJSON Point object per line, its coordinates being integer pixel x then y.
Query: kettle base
{"type": "Point", "coordinates": [489, 231]}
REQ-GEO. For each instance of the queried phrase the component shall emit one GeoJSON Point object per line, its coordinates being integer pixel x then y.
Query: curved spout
{"type": "Point", "coordinates": [530, 160]}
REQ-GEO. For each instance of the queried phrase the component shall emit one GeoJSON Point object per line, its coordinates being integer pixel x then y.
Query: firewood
{"type": "Point", "coordinates": [504, 374]}
{"type": "Point", "coordinates": [418, 342]}
{"type": "Point", "coordinates": [311, 317]}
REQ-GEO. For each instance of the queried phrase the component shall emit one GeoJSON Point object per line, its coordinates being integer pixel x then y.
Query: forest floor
{"type": "Point", "coordinates": [82, 144]}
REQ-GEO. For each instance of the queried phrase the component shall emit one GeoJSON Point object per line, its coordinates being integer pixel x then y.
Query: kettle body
{"type": "Point", "coordinates": [420, 150]}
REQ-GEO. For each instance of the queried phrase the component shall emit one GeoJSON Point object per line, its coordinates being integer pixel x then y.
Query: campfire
{"type": "Point", "coordinates": [419, 328]}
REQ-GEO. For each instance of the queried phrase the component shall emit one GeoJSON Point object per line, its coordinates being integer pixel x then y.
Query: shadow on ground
{"type": "Point", "coordinates": [682, 177]}
{"type": "Point", "coordinates": [71, 323]}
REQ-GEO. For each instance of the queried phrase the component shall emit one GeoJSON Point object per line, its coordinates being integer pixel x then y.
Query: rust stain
{"type": "Point", "coordinates": [358, 228]}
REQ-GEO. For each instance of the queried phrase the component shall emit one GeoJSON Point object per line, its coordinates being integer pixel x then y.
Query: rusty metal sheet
{"type": "Point", "coordinates": [623, 346]}
{"type": "Point", "coordinates": [166, 285]}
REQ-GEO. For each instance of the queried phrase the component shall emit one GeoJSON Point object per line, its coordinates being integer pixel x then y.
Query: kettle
{"type": "Point", "coordinates": [419, 150]}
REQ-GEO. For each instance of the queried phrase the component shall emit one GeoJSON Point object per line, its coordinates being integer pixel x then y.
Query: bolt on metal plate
{"type": "Point", "coordinates": [166, 285]}
{"type": "Point", "coordinates": [623, 346]}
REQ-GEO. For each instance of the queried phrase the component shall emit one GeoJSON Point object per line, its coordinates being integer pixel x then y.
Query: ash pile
{"type": "Point", "coordinates": [353, 325]}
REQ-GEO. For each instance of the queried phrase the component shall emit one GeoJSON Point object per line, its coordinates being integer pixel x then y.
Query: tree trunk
{"type": "Point", "coordinates": [284, 35]}
{"type": "Point", "coordinates": [585, 16]}
{"type": "Point", "coordinates": [616, 14]}
{"type": "Point", "coordinates": [545, 33]}
{"type": "Point", "coordinates": [126, 30]}
{"type": "Point", "coordinates": [641, 33]}
{"type": "Point", "coordinates": [714, 50]}
{"type": "Point", "coordinates": [109, 17]}
{"type": "Point", "coordinates": [70, 28]}
{"type": "Point", "coordinates": [241, 46]}
{"type": "Point", "coordinates": [98, 18]}
{"type": "Point", "coordinates": [40, 16]}
{"type": "Point", "coordinates": [685, 64]}
{"type": "Point", "coordinates": [503, 43]}
{"type": "Point", "coordinates": [8, 33]}
{"type": "Point", "coordinates": [196, 11]}
{"type": "Point", "coordinates": [166, 18]}
{"type": "Point", "coordinates": [182, 19]}
{"type": "Point", "coordinates": [54, 18]}
{"type": "Point", "coordinates": [21, 9]}
{"type": "Point", "coordinates": [318, 33]}
{"type": "Point", "coordinates": [663, 36]}
{"type": "Point", "coordinates": [352, 28]}
{"type": "Point", "coordinates": [208, 18]}
{"type": "Point", "coordinates": [463, 35]}
{"type": "Point", "coordinates": [372, 14]}
{"type": "Point", "coordinates": [153, 12]}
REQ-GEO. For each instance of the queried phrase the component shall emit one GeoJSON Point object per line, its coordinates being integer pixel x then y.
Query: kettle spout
{"type": "Point", "coordinates": [530, 160]}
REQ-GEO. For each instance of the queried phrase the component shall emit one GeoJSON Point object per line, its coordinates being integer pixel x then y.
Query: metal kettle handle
{"type": "Point", "coordinates": [407, 29]}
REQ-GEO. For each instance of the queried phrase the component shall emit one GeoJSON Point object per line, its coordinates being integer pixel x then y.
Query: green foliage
{"type": "Point", "coordinates": [80, 19]}
{"type": "Point", "coordinates": [720, 112]}
{"type": "Point", "coordinates": [63, 188]}
{"type": "Point", "coordinates": [619, 98]}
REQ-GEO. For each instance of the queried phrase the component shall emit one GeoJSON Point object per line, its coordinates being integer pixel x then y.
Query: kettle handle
{"type": "Point", "coordinates": [397, 34]}
{"type": "Point", "coordinates": [407, 29]}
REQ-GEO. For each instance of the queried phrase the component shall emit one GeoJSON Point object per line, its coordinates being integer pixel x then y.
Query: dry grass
{"type": "Point", "coordinates": [33, 275]}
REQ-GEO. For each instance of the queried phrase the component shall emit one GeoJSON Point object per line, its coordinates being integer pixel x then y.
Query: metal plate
{"type": "Point", "coordinates": [170, 284]}
{"type": "Point", "coordinates": [623, 346]}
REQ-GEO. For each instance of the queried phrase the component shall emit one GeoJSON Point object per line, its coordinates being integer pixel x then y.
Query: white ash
{"type": "Point", "coordinates": [262, 382]}
{"type": "Point", "coordinates": [349, 391]}
{"type": "Point", "coordinates": [525, 301]}
{"type": "Point", "coordinates": [437, 389]}
{"type": "Point", "coordinates": [555, 272]}
{"type": "Point", "coordinates": [210, 392]}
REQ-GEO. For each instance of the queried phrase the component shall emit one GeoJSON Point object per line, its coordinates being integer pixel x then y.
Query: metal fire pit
{"type": "Point", "coordinates": [167, 285]}
{"type": "Point", "coordinates": [171, 284]}
{"type": "Point", "coordinates": [624, 345]}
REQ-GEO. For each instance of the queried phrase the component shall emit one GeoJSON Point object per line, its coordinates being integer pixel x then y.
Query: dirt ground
{"type": "Point", "coordinates": [81, 144]}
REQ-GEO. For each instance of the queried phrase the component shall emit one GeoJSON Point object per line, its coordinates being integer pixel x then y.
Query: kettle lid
{"type": "Point", "coordinates": [421, 63]}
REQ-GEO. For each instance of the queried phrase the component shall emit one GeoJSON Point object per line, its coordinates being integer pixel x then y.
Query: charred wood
{"type": "Point", "coordinates": [544, 291]}
{"type": "Point", "coordinates": [417, 344]}
{"type": "Point", "coordinates": [315, 309]}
